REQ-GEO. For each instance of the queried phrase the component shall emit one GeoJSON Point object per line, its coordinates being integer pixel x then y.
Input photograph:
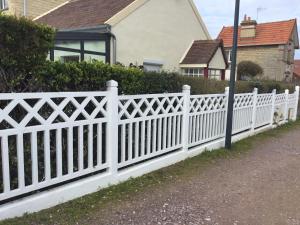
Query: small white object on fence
{"type": "Point", "coordinates": [81, 141]}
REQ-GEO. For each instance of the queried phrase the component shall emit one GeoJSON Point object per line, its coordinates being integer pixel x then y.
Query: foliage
{"type": "Point", "coordinates": [24, 46]}
{"type": "Point", "coordinates": [85, 76]}
{"type": "Point", "coordinates": [248, 69]}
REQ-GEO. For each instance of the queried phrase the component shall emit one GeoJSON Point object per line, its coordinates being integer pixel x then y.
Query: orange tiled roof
{"type": "Point", "coordinates": [272, 33]}
{"type": "Point", "coordinates": [297, 68]}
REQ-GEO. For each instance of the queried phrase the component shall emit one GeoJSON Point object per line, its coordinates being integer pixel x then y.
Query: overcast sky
{"type": "Point", "coordinates": [219, 13]}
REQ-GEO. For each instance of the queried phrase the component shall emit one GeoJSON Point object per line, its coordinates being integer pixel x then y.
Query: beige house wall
{"type": "Point", "coordinates": [34, 8]}
{"type": "Point", "coordinates": [275, 60]}
{"type": "Point", "coordinates": [160, 31]}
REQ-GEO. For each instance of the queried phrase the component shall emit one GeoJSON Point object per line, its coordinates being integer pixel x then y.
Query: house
{"type": "Point", "coordinates": [29, 8]}
{"type": "Point", "coordinates": [205, 58]}
{"type": "Point", "coordinates": [296, 76]}
{"type": "Point", "coordinates": [154, 34]}
{"type": "Point", "coordinates": [270, 45]}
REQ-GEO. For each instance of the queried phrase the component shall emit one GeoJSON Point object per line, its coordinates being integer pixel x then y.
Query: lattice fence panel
{"type": "Point", "coordinates": [263, 109]}
{"type": "Point", "coordinates": [150, 126]}
{"type": "Point", "coordinates": [50, 138]}
{"type": "Point", "coordinates": [206, 118]}
{"type": "Point", "coordinates": [242, 112]}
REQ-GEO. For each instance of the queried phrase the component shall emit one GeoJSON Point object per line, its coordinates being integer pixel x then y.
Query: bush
{"type": "Point", "coordinates": [84, 76]}
{"type": "Point", "coordinates": [24, 46]}
{"type": "Point", "coordinates": [248, 70]}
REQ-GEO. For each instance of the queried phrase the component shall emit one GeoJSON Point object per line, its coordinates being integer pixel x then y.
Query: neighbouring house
{"type": "Point", "coordinates": [29, 8]}
{"type": "Point", "coordinates": [205, 58]}
{"type": "Point", "coordinates": [154, 34]}
{"type": "Point", "coordinates": [270, 45]}
{"type": "Point", "coordinates": [296, 76]}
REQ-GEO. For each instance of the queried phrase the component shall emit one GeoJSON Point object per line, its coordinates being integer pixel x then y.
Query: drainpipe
{"type": "Point", "coordinates": [25, 8]}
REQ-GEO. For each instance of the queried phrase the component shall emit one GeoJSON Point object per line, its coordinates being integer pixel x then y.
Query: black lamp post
{"type": "Point", "coordinates": [232, 76]}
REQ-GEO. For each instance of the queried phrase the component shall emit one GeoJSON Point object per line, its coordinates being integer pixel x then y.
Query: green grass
{"type": "Point", "coordinates": [79, 209]}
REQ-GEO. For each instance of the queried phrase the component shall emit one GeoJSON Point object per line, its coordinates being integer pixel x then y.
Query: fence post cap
{"type": "Point", "coordinates": [297, 88]}
{"type": "Point", "coordinates": [287, 91]}
{"type": "Point", "coordinates": [274, 91]}
{"type": "Point", "coordinates": [227, 89]}
{"type": "Point", "coordinates": [112, 83]}
{"type": "Point", "coordinates": [186, 87]}
{"type": "Point", "coordinates": [255, 90]}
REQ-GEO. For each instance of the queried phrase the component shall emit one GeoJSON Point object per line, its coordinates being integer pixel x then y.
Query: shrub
{"type": "Point", "coordinates": [24, 46]}
{"type": "Point", "coordinates": [84, 76]}
{"type": "Point", "coordinates": [248, 70]}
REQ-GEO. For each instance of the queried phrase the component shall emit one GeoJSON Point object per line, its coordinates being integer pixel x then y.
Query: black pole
{"type": "Point", "coordinates": [232, 76]}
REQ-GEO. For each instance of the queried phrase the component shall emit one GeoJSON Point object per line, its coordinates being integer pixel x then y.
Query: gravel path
{"type": "Point", "coordinates": [261, 187]}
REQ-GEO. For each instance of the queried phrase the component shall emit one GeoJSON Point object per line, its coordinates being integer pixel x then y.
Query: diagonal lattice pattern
{"type": "Point", "coordinates": [131, 107]}
{"type": "Point", "coordinates": [264, 99]}
{"type": "Point", "coordinates": [243, 100]}
{"type": "Point", "coordinates": [207, 103]}
{"type": "Point", "coordinates": [22, 110]}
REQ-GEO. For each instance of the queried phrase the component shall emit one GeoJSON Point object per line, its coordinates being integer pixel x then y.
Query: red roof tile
{"type": "Point", "coordinates": [273, 33]}
{"type": "Point", "coordinates": [83, 13]}
{"type": "Point", "coordinates": [297, 68]}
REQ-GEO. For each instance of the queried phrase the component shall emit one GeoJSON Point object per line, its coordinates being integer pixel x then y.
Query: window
{"type": "Point", "coordinates": [153, 65]}
{"type": "Point", "coordinates": [65, 56]}
{"type": "Point", "coordinates": [214, 74]}
{"type": "Point", "coordinates": [193, 72]}
{"type": "Point", "coordinates": [3, 4]}
{"type": "Point", "coordinates": [229, 56]}
{"type": "Point", "coordinates": [81, 46]}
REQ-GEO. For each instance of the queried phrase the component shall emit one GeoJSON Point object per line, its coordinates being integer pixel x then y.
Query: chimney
{"type": "Point", "coordinates": [248, 27]}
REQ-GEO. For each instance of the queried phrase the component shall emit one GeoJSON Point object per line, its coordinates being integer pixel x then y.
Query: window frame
{"type": "Point", "coordinates": [3, 5]}
{"type": "Point", "coordinates": [191, 71]}
{"type": "Point", "coordinates": [82, 37]}
{"type": "Point", "coordinates": [215, 75]}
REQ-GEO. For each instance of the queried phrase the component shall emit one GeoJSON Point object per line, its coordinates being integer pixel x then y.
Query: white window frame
{"type": "Point", "coordinates": [215, 74]}
{"type": "Point", "coordinates": [193, 72]}
{"type": "Point", "coordinates": [3, 5]}
{"type": "Point", "coordinates": [229, 56]}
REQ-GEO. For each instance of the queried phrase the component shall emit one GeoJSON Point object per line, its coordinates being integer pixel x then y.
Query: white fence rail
{"type": "Point", "coordinates": [59, 146]}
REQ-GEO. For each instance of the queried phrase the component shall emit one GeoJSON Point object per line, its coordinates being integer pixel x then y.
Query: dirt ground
{"type": "Point", "coordinates": [261, 187]}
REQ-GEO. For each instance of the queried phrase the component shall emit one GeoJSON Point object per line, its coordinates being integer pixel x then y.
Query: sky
{"type": "Point", "coordinates": [219, 13]}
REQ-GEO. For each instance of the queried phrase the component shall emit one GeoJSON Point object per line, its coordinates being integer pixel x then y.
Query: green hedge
{"type": "Point", "coordinates": [24, 46]}
{"type": "Point", "coordinates": [83, 76]}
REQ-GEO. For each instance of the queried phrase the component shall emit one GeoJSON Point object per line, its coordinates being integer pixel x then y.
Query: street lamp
{"type": "Point", "coordinates": [232, 76]}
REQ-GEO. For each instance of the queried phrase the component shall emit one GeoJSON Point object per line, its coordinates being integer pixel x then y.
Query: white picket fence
{"type": "Point", "coordinates": [59, 146]}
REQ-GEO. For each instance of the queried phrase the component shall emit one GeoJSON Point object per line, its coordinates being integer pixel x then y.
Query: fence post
{"type": "Point", "coordinates": [297, 89]}
{"type": "Point", "coordinates": [273, 107]}
{"type": "Point", "coordinates": [112, 126]}
{"type": "Point", "coordinates": [286, 108]}
{"type": "Point", "coordinates": [255, 91]}
{"type": "Point", "coordinates": [225, 122]}
{"type": "Point", "coordinates": [186, 90]}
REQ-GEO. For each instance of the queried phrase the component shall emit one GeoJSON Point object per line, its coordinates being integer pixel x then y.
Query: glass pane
{"type": "Point", "coordinates": [68, 44]}
{"type": "Point", "coordinates": [95, 46]}
{"type": "Point", "coordinates": [64, 56]}
{"type": "Point", "coordinates": [89, 58]}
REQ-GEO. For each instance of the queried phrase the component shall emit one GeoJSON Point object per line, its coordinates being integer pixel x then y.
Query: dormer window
{"type": "Point", "coordinates": [3, 5]}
